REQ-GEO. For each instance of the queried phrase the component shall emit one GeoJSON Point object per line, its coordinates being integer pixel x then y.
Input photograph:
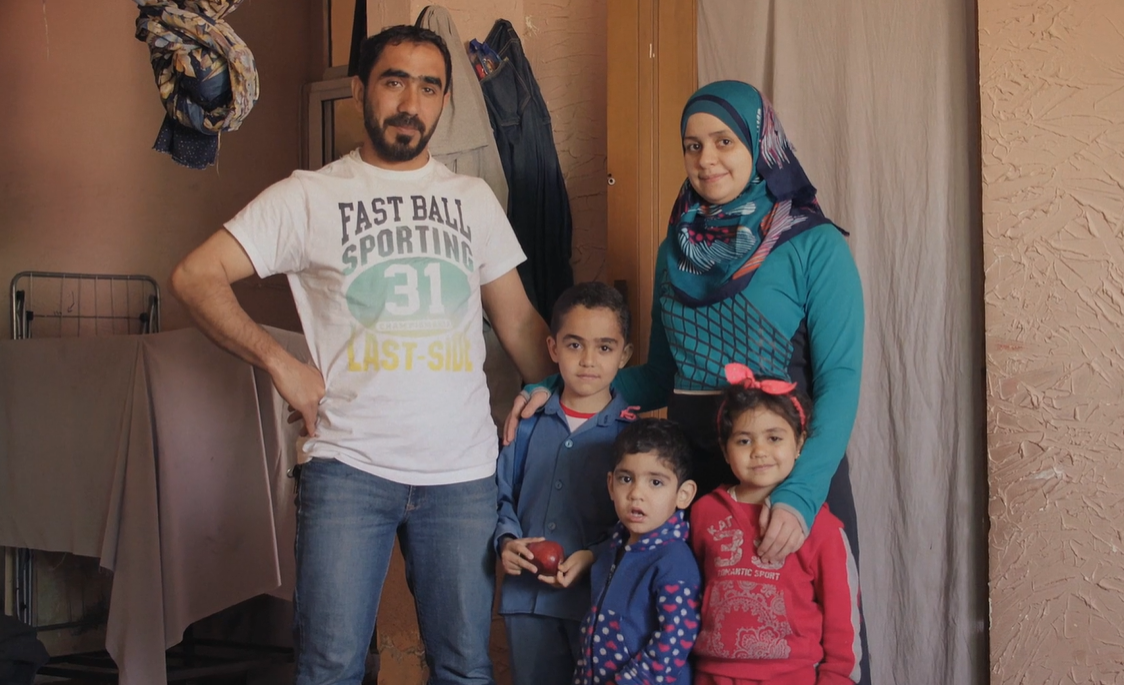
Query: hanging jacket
{"type": "Point", "coordinates": [645, 613]}
{"type": "Point", "coordinates": [539, 206]}
{"type": "Point", "coordinates": [463, 140]}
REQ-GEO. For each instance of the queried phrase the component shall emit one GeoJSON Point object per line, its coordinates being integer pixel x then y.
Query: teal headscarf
{"type": "Point", "coordinates": [714, 245]}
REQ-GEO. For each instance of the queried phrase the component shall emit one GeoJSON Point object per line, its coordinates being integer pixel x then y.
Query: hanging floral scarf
{"type": "Point", "coordinates": [713, 246]}
{"type": "Point", "coordinates": [206, 75]}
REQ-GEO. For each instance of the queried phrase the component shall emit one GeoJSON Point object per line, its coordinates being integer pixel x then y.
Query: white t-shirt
{"type": "Point", "coordinates": [386, 268]}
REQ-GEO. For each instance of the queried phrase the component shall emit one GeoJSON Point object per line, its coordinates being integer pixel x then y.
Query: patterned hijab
{"type": "Point", "coordinates": [715, 249]}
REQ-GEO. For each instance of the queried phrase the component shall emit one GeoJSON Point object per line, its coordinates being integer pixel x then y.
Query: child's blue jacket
{"type": "Point", "coordinates": [645, 613]}
{"type": "Point", "coordinates": [564, 498]}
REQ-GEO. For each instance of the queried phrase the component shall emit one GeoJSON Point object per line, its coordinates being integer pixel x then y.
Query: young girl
{"type": "Point", "coordinates": [789, 623]}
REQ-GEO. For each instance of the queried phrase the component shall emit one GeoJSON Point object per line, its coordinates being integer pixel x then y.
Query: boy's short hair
{"type": "Point", "coordinates": [591, 295]}
{"type": "Point", "coordinates": [372, 46]}
{"type": "Point", "coordinates": [661, 436]}
{"type": "Point", "coordinates": [737, 400]}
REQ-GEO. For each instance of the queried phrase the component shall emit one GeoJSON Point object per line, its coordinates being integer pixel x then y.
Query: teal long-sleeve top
{"type": "Point", "coordinates": [811, 280]}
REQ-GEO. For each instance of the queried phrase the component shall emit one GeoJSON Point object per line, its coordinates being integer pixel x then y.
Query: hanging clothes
{"type": "Point", "coordinates": [539, 208]}
{"type": "Point", "coordinates": [463, 140]}
{"type": "Point", "coordinates": [205, 72]}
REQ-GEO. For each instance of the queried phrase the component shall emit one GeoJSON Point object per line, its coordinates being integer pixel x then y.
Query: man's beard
{"type": "Point", "coordinates": [400, 150]}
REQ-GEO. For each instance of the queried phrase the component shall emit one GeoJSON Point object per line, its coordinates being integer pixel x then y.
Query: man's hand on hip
{"type": "Point", "coordinates": [302, 386]}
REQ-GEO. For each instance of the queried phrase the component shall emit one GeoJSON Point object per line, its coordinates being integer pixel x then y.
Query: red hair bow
{"type": "Point", "coordinates": [740, 374]}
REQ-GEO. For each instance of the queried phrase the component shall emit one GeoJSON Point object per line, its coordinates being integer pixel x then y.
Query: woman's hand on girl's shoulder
{"type": "Point", "coordinates": [783, 535]}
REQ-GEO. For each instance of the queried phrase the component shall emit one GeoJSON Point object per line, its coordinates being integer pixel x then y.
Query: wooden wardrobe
{"type": "Point", "coordinates": [652, 70]}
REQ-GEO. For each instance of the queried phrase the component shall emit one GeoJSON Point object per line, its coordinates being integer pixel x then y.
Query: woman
{"type": "Point", "coordinates": [752, 272]}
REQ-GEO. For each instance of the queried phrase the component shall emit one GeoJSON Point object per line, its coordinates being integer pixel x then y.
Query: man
{"type": "Point", "coordinates": [391, 257]}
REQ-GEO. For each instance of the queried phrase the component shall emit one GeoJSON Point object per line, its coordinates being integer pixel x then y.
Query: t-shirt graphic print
{"type": "Point", "coordinates": [386, 268]}
{"type": "Point", "coordinates": [412, 282]}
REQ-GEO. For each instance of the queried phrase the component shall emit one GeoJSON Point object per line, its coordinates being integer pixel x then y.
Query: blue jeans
{"type": "Point", "coordinates": [346, 523]}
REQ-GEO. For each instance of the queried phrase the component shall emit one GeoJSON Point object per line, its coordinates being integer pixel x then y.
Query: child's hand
{"type": "Point", "coordinates": [570, 570]}
{"type": "Point", "coordinates": [783, 535]}
{"type": "Point", "coordinates": [516, 557]}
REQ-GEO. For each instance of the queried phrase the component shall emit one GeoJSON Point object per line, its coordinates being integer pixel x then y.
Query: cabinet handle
{"type": "Point", "coordinates": [612, 181]}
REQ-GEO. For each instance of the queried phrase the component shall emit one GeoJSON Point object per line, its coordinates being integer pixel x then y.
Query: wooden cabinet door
{"type": "Point", "coordinates": [652, 70]}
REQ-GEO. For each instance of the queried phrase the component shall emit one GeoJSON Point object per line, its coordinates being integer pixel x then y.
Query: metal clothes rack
{"type": "Point", "coordinates": [51, 304]}
{"type": "Point", "coordinates": [55, 304]}
{"type": "Point", "coordinates": [47, 304]}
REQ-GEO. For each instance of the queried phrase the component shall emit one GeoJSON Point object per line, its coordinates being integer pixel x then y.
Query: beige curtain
{"type": "Point", "coordinates": [880, 99]}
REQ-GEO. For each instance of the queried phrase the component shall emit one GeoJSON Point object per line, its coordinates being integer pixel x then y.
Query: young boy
{"type": "Point", "coordinates": [645, 613]}
{"type": "Point", "coordinates": [549, 482]}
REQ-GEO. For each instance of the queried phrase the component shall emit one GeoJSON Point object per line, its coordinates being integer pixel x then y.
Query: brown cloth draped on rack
{"type": "Point", "coordinates": [160, 455]}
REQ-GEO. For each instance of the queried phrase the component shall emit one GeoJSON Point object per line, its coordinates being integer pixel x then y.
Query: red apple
{"type": "Point", "coordinates": [548, 554]}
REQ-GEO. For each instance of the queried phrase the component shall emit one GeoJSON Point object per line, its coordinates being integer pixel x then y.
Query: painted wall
{"type": "Point", "coordinates": [80, 188]}
{"type": "Point", "coordinates": [1052, 110]}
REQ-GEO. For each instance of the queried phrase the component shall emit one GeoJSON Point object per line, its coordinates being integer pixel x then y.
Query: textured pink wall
{"type": "Point", "coordinates": [1052, 110]}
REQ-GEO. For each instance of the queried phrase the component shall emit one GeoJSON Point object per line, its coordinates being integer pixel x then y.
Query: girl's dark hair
{"type": "Point", "coordinates": [661, 436]}
{"type": "Point", "coordinates": [737, 399]}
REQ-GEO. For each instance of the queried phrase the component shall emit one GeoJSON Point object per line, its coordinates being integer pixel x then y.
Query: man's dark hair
{"type": "Point", "coordinates": [736, 400]}
{"type": "Point", "coordinates": [591, 295]}
{"type": "Point", "coordinates": [372, 46]}
{"type": "Point", "coordinates": [661, 436]}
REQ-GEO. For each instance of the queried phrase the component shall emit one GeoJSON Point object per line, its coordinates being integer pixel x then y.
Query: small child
{"type": "Point", "coordinates": [645, 613]}
{"type": "Point", "coordinates": [790, 623]}
{"type": "Point", "coordinates": [550, 484]}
